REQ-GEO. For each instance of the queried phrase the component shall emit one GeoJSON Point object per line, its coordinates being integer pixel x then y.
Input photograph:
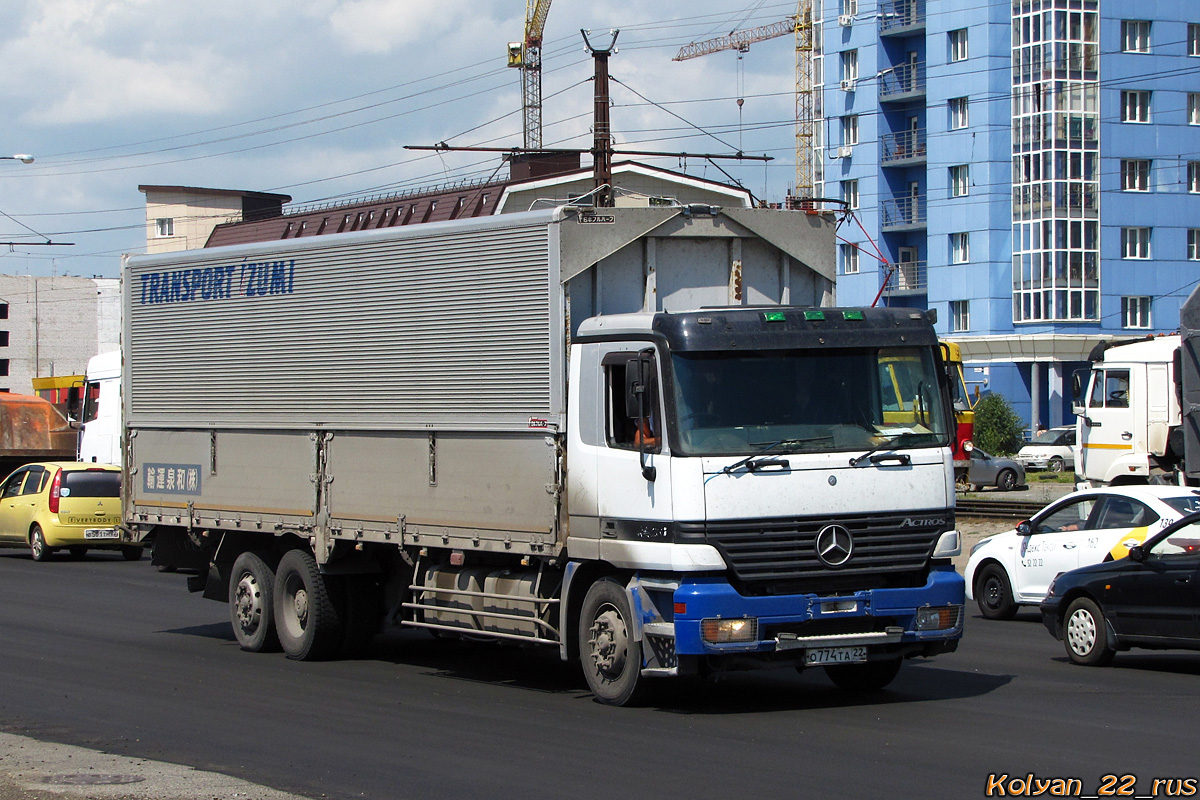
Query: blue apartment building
{"type": "Point", "coordinates": [1029, 168]}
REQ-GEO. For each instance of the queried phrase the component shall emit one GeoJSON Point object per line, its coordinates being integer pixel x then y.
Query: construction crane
{"type": "Point", "coordinates": [527, 57]}
{"type": "Point", "coordinates": [800, 24]}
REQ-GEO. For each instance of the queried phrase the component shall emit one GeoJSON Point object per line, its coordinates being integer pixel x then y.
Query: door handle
{"type": "Point", "coordinates": [1069, 545]}
{"type": "Point", "coordinates": [1184, 579]}
{"type": "Point", "coordinates": [1126, 435]}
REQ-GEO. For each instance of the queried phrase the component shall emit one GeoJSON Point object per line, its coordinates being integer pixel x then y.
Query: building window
{"type": "Point", "coordinates": [960, 315]}
{"type": "Point", "coordinates": [1135, 312]}
{"type": "Point", "coordinates": [3, 338]}
{"type": "Point", "coordinates": [958, 45]}
{"type": "Point", "coordinates": [1135, 35]}
{"type": "Point", "coordinates": [850, 65]}
{"type": "Point", "coordinates": [960, 180]}
{"type": "Point", "coordinates": [850, 193]}
{"type": "Point", "coordinates": [1193, 108]}
{"type": "Point", "coordinates": [1194, 38]}
{"type": "Point", "coordinates": [3, 310]}
{"type": "Point", "coordinates": [849, 7]}
{"type": "Point", "coordinates": [850, 129]}
{"type": "Point", "coordinates": [1193, 184]}
{"type": "Point", "coordinates": [849, 259]}
{"type": "Point", "coordinates": [1135, 242]}
{"type": "Point", "coordinates": [164, 226]}
{"type": "Point", "coordinates": [960, 248]}
{"type": "Point", "coordinates": [1135, 106]}
{"type": "Point", "coordinates": [958, 113]}
{"type": "Point", "coordinates": [1193, 250]}
{"type": "Point", "coordinates": [1135, 174]}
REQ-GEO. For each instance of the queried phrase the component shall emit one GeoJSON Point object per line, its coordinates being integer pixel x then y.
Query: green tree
{"type": "Point", "coordinates": [998, 429]}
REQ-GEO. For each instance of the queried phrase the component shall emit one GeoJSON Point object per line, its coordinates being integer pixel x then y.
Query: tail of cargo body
{"type": "Point", "coordinates": [568, 428]}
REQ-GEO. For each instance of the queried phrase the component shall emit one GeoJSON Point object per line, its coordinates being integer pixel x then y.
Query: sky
{"type": "Point", "coordinates": [317, 99]}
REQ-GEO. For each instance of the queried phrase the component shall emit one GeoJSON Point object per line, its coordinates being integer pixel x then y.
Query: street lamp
{"type": "Point", "coordinates": [24, 158]}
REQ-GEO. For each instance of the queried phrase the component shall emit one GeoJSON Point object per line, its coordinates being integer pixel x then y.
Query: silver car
{"type": "Point", "coordinates": [988, 470]}
{"type": "Point", "coordinates": [1049, 450]}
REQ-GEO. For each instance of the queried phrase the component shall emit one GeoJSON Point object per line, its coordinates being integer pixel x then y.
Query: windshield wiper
{"type": "Point", "coordinates": [752, 462]}
{"type": "Point", "coordinates": [887, 443]}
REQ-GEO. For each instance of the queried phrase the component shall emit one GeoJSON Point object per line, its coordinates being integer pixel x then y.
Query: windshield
{"type": "Point", "coordinates": [1049, 437]}
{"type": "Point", "coordinates": [853, 399]}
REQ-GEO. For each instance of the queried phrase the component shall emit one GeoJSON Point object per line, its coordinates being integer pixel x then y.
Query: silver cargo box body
{"type": "Point", "coordinates": [407, 385]}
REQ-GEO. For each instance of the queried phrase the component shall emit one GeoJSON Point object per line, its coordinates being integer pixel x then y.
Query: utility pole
{"type": "Point", "coordinates": [602, 149]}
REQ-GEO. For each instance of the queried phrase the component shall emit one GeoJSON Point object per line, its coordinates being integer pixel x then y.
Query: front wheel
{"type": "Point", "coordinates": [1006, 481]}
{"type": "Point", "coordinates": [869, 677]}
{"type": "Point", "coordinates": [612, 659]}
{"type": "Point", "coordinates": [251, 606]}
{"type": "Point", "coordinates": [1057, 464]}
{"type": "Point", "coordinates": [306, 619]}
{"type": "Point", "coordinates": [993, 593]}
{"type": "Point", "coordinates": [1084, 635]}
{"type": "Point", "coordinates": [37, 544]}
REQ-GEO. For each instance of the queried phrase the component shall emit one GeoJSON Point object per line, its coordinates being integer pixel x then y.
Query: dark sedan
{"type": "Point", "coordinates": [1149, 599]}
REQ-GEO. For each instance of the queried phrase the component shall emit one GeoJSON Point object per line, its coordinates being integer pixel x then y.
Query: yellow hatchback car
{"type": "Point", "coordinates": [57, 504]}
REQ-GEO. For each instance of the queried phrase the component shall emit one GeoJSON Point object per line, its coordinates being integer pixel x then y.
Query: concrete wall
{"type": "Point", "coordinates": [54, 325]}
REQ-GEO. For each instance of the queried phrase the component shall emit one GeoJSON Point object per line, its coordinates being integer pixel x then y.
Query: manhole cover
{"type": "Point", "coordinates": [92, 779]}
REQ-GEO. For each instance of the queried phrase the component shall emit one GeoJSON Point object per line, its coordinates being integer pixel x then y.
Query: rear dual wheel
{"type": "Point", "coordinates": [251, 605]}
{"type": "Point", "coordinates": [306, 617]}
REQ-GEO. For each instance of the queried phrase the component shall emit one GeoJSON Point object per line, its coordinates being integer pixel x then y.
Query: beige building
{"type": "Point", "coordinates": [182, 217]}
{"type": "Point", "coordinates": [51, 326]}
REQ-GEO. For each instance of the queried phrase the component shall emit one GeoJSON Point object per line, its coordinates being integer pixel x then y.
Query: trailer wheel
{"type": "Point", "coordinates": [251, 606]}
{"type": "Point", "coordinates": [305, 617]}
{"type": "Point", "coordinates": [612, 660]}
{"type": "Point", "coordinates": [37, 544]}
{"type": "Point", "coordinates": [869, 677]}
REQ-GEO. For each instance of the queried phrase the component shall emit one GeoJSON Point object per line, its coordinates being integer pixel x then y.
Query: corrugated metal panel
{"type": "Point", "coordinates": [447, 329]}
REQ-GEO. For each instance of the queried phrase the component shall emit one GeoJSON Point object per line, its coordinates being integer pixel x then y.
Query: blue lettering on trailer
{"type": "Point", "coordinates": [254, 279]}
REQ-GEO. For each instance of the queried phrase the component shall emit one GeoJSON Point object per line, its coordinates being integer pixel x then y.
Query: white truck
{"type": "Point", "coordinates": [631, 434]}
{"type": "Point", "coordinates": [1138, 409]}
{"type": "Point", "coordinates": [100, 418]}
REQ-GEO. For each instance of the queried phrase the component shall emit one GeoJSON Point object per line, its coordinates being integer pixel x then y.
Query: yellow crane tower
{"type": "Point", "coordinates": [527, 57]}
{"type": "Point", "coordinates": [800, 24]}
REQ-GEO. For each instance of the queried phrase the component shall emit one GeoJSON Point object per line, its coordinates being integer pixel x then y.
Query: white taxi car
{"type": "Point", "coordinates": [1015, 568]}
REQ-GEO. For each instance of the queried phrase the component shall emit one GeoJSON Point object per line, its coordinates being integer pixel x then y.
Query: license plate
{"type": "Point", "coordinates": [835, 655]}
{"type": "Point", "coordinates": [101, 533]}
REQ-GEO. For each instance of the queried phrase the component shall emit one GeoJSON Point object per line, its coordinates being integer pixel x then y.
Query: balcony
{"type": "Point", "coordinates": [902, 82]}
{"type": "Point", "coordinates": [908, 277]}
{"type": "Point", "coordinates": [900, 17]}
{"type": "Point", "coordinates": [902, 149]}
{"type": "Point", "coordinates": [904, 213]}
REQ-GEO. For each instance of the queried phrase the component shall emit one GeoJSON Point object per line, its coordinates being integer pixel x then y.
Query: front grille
{"type": "Point", "coordinates": [774, 556]}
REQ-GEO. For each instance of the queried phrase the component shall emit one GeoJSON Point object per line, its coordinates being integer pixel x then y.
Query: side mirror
{"type": "Point", "coordinates": [75, 401]}
{"type": "Point", "coordinates": [1137, 553]}
{"type": "Point", "coordinates": [1024, 527]}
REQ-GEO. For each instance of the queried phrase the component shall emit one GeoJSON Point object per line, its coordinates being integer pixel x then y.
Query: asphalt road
{"type": "Point", "coordinates": [116, 657]}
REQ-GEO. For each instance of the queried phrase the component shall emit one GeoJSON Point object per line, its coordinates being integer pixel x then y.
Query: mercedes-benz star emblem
{"type": "Point", "coordinates": [835, 545]}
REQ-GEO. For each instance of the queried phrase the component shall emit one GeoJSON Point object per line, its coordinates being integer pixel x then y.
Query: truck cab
{"type": "Point", "coordinates": [1127, 410]}
{"type": "Point", "coordinates": [100, 439]}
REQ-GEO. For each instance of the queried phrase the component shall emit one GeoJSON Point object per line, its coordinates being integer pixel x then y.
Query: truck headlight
{"type": "Point", "coordinates": [726, 631]}
{"type": "Point", "coordinates": [938, 618]}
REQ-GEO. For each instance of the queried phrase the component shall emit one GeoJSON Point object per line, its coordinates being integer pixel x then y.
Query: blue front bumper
{"type": "Point", "coordinates": [702, 598]}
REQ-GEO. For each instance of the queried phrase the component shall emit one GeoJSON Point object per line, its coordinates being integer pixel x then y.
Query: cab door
{"type": "Point", "coordinates": [1108, 422]}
